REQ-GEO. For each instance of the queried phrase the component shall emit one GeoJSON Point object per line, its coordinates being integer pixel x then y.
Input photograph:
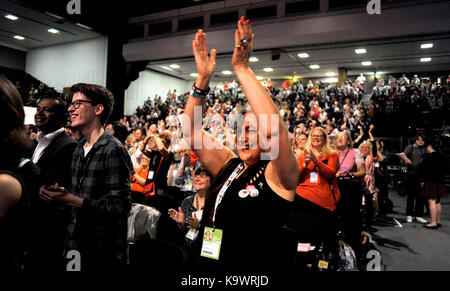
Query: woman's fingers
{"type": "Point", "coordinates": [245, 30]}
{"type": "Point", "coordinates": [212, 57]}
{"type": "Point", "coordinates": [203, 45]}
{"type": "Point", "coordinates": [243, 27]}
{"type": "Point", "coordinates": [197, 43]}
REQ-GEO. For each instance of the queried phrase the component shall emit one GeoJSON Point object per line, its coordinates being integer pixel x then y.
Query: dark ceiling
{"type": "Point", "coordinates": [107, 16]}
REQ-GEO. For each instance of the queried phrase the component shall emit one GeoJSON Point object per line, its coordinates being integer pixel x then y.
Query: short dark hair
{"type": "Point", "coordinates": [60, 109]}
{"type": "Point", "coordinates": [120, 131]}
{"type": "Point", "coordinates": [165, 139]}
{"type": "Point", "coordinates": [98, 95]}
{"type": "Point", "coordinates": [303, 133]}
{"type": "Point", "coordinates": [143, 130]}
{"type": "Point", "coordinates": [422, 136]}
{"type": "Point", "coordinates": [200, 170]}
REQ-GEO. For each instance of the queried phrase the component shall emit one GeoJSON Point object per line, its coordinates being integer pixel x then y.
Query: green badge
{"type": "Point", "coordinates": [212, 239]}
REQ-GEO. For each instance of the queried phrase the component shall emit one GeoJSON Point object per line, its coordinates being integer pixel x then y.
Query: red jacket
{"type": "Point", "coordinates": [325, 191]}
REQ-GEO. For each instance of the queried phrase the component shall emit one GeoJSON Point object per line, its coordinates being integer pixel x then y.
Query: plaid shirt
{"type": "Point", "coordinates": [98, 230]}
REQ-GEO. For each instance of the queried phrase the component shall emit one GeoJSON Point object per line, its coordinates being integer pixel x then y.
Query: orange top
{"type": "Point", "coordinates": [143, 173]}
{"type": "Point", "coordinates": [322, 189]}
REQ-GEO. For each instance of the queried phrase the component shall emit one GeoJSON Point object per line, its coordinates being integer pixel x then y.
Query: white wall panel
{"type": "Point", "coordinates": [150, 84]}
{"type": "Point", "coordinates": [64, 65]}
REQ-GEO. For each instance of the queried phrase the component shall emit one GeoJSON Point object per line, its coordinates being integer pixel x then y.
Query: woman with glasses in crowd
{"type": "Point", "coordinates": [190, 212]}
{"type": "Point", "coordinates": [349, 178]}
{"type": "Point", "coordinates": [317, 191]}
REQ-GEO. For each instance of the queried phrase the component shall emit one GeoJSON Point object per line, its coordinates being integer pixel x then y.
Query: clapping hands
{"type": "Point", "coordinates": [309, 156]}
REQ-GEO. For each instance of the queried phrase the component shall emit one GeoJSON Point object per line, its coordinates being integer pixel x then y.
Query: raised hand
{"type": "Point", "coordinates": [243, 42]}
{"type": "Point", "coordinates": [205, 64]}
{"type": "Point", "coordinates": [177, 216]}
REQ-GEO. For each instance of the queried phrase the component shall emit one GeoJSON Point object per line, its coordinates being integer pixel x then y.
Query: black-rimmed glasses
{"type": "Point", "coordinates": [76, 104]}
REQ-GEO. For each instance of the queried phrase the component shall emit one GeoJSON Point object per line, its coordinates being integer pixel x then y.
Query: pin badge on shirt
{"type": "Point", "coordinates": [253, 191]}
{"type": "Point", "coordinates": [243, 193]}
{"type": "Point", "coordinates": [249, 190]}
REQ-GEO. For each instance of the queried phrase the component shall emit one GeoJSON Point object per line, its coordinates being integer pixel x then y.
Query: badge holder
{"type": "Point", "coordinates": [212, 241]}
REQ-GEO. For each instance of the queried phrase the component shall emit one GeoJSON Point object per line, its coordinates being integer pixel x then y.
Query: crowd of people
{"type": "Point", "coordinates": [233, 191]}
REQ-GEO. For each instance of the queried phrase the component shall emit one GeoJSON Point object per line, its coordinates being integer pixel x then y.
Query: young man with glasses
{"type": "Point", "coordinates": [412, 155]}
{"type": "Point", "coordinates": [100, 190]}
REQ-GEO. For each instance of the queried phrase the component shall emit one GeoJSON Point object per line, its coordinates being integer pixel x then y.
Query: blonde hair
{"type": "Point", "coordinates": [326, 148]}
{"type": "Point", "coordinates": [365, 143]}
{"type": "Point", "coordinates": [130, 138]}
{"type": "Point", "coordinates": [347, 136]}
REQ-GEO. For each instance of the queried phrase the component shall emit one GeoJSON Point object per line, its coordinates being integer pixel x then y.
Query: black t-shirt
{"type": "Point", "coordinates": [252, 222]}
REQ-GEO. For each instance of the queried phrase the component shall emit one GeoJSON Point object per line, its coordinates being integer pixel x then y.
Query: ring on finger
{"type": "Point", "coordinates": [245, 41]}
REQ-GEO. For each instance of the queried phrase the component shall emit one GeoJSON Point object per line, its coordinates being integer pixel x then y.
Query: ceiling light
{"type": "Point", "coordinates": [19, 37]}
{"type": "Point", "coordinates": [166, 68]}
{"type": "Point", "coordinates": [268, 70]}
{"type": "Point", "coordinates": [53, 30]}
{"type": "Point", "coordinates": [259, 78]}
{"type": "Point", "coordinates": [426, 45]}
{"type": "Point", "coordinates": [11, 17]}
{"type": "Point", "coordinates": [253, 59]}
{"type": "Point", "coordinates": [331, 74]}
{"type": "Point", "coordinates": [366, 63]}
{"type": "Point", "coordinates": [425, 60]}
{"type": "Point", "coordinates": [194, 75]}
{"type": "Point", "coordinates": [83, 26]}
{"type": "Point", "coordinates": [314, 67]}
{"type": "Point", "coordinates": [226, 72]}
{"type": "Point", "coordinates": [303, 55]}
{"type": "Point", "coordinates": [54, 15]}
{"type": "Point", "coordinates": [174, 66]}
{"type": "Point", "coordinates": [360, 51]}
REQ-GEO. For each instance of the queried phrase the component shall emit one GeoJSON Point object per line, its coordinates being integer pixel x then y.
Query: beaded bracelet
{"type": "Point", "coordinates": [199, 93]}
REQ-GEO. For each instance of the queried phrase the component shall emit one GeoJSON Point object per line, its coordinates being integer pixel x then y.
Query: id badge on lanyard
{"type": "Point", "coordinates": [212, 239]}
{"type": "Point", "coordinates": [313, 177]}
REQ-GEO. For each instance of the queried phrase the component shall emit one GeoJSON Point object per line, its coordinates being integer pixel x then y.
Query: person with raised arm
{"type": "Point", "coordinates": [247, 203]}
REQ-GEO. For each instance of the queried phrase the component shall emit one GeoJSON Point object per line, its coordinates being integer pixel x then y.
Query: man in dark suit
{"type": "Point", "coordinates": [50, 163]}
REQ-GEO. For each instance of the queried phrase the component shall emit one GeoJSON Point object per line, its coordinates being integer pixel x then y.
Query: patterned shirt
{"type": "Point", "coordinates": [99, 229]}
